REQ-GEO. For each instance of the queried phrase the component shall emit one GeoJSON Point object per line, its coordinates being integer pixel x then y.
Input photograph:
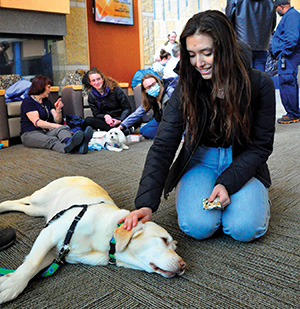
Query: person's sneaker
{"type": "Point", "coordinates": [7, 238]}
{"type": "Point", "coordinates": [129, 131]}
{"type": "Point", "coordinates": [287, 119]}
{"type": "Point", "coordinates": [75, 141]}
{"type": "Point", "coordinates": [87, 135]}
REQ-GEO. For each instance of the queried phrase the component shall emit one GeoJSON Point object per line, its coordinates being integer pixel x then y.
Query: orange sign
{"type": "Point", "coordinates": [114, 11]}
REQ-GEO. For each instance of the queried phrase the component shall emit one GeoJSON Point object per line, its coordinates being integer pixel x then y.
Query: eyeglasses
{"type": "Point", "coordinates": [150, 86]}
{"type": "Point", "coordinates": [95, 80]}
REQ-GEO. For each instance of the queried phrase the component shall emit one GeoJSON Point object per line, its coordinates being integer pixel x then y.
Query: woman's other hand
{"type": "Point", "coordinates": [132, 219]}
{"type": "Point", "coordinates": [220, 190]}
{"type": "Point", "coordinates": [108, 119]}
{"type": "Point", "coordinates": [116, 122]}
{"type": "Point", "coordinates": [58, 105]}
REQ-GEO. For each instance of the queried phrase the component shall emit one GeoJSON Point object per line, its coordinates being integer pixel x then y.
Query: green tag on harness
{"type": "Point", "coordinates": [50, 270]}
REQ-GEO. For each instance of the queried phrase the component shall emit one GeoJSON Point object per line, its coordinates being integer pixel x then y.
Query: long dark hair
{"type": "Point", "coordinates": [228, 73]}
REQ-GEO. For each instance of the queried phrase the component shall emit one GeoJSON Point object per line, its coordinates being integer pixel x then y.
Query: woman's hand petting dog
{"type": "Point", "coordinates": [132, 219]}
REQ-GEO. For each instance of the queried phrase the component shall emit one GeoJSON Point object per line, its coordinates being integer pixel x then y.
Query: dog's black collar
{"type": "Point", "coordinates": [112, 250]}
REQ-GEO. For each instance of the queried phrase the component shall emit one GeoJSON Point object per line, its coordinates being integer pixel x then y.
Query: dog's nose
{"type": "Point", "coordinates": [182, 264]}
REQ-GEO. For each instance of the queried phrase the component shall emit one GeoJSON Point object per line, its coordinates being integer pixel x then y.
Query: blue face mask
{"type": "Point", "coordinates": [154, 90]}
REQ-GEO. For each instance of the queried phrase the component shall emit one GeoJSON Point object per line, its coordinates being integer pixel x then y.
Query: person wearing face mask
{"type": "Point", "coordinates": [155, 99]}
{"type": "Point", "coordinates": [228, 112]}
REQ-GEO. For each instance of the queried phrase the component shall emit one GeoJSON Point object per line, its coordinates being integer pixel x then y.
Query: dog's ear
{"type": "Point", "coordinates": [122, 138]}
{"type": "Point", "coordinates": [123, 236]}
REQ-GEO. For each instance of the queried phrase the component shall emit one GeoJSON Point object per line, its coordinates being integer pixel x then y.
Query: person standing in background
{"type": "Point", "coordinates": [253, 21]}
{"type": "Point", "coordinates": [286, 49]}
{"type": "Point", "coordinates": [168, 45]}
{"type": "Point", "coordinates": [6, 66]}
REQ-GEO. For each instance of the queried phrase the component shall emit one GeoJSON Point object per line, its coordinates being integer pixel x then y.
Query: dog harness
{"type": "Point", "coordinates": [64, 250]}
{"type": "Point", "coordinates": [60, 260]}
{"type": "Point", "coordinates": [112, 250]}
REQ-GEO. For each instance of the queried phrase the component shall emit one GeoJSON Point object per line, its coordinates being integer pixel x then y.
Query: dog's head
{"type": "Point", "coordinates": [115, 136]}
{"type": "Point", "coordinates": [148, 247]}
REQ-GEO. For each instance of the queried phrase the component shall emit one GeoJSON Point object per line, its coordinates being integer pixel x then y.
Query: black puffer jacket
{"type": "Point", "coordinates": [253, 21]}
{"type": "Point", "coordinates": [115, 104]}
{"type": "Point", "coordinates": [248, 161]}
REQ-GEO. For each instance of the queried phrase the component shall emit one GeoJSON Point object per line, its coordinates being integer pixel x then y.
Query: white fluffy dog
{"type": "Point", "coordinates": [113, 140]}
{"type": "Point", "coordinates": [146, 247]}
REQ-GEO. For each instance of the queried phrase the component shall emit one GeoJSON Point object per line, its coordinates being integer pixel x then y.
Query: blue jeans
{"type": "Point", "coordinates": [244, 219]}
{"type": "Point", "coordinates": [259, 59]}
{"type": "Point", "coordinates": [149, 130]}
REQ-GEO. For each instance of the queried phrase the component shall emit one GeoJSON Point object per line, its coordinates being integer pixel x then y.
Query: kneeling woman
{"type": "Point", "coordinates": [228, 111]}
{"type": "Point", "coordinates": [41, 122]}
{"type": "Point", "coordinates": [154, 98]}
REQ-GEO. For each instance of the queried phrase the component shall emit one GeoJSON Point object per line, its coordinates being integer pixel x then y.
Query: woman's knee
{"type": "Point", "coordinates": [247, 216]}
{"type": "Point", "coordinates": [198, 229]}
{"type": "Point", "coordinates": [88, 121]}
{"type": "Point", "coordinates": [246, 230]}
{"type": "Point", "coordinates": [148, 133]}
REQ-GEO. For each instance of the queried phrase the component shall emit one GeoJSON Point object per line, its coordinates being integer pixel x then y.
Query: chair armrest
{"type": "Point", "coordinates": [124, 87]}
{"type": "Point", "coordinates": [71, 96]}
{"type": "Point", "coordinates": [4, 131]}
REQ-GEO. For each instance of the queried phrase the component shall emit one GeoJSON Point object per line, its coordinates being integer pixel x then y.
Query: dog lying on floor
{"type": "Point", "coordinates": [146, 247]}
{"type": "Point", "coordinates": [113, 140]}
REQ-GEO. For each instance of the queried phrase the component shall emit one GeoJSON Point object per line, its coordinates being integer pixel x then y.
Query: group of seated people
{"type": "Point", "coordinates": [41, 121]}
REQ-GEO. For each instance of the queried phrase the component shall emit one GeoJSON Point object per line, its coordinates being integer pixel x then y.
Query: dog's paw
{"type": "Point", "coordinates": [11, 287]}
{"type": "Point", "coordinates": [125, 146]}
{"type": "Point", "coordinates": [118, 149]}
{"type": "Point", "coordinates": [115, 149]}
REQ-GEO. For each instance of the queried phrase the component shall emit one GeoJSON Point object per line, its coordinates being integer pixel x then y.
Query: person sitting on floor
{"type": "Point", "coordinates": [159, 66]}
{"type": "Point", "coordinates": [108, 102]}
{"type": "Point", "coordinates": [41, 122]}
{"type": "Point", "coordinates": [154, 98]}
{"type": "Point", "coordinates": [171, 64]}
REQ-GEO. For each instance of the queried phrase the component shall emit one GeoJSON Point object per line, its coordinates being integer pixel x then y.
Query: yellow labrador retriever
{"type": "Point", "coordinates": [146, 247]}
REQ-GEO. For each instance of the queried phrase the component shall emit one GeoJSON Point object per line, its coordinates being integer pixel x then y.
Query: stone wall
{"type": "Point", "coordinates": [76, 40]}
{"type": "Point", "coordinates": [158, 18]}
{"type": "Point", "coordinates": [162, 16]}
